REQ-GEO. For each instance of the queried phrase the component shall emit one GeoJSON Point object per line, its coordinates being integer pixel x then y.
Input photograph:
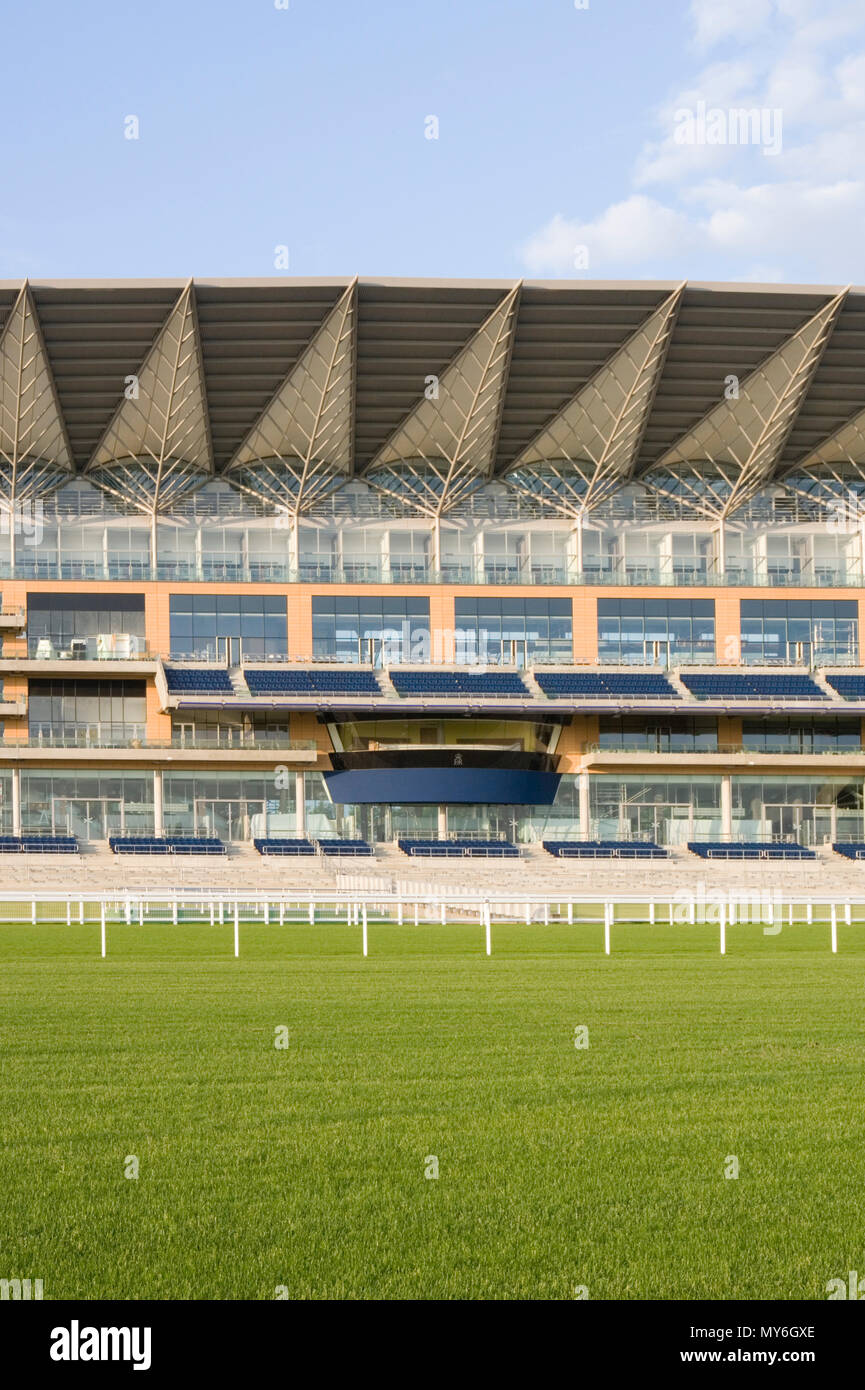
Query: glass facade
{"type": "Point", "coordinates": [514, 734]}
{"type": "Point", "coordinates": [812, 810]}
{"type": "Point", "coordinates": [668, 810]}
{"type": "Point", "coordinates": [658, 735]}
{"type": "Point", "coordinates": [233, 806]}
{"type": "Point", "coordinates": [801, 736]}
{"type": "Point", "coordinates": [228, 627]}
{"type": "Point", "coordinates": [674, 631]}
{"type": "Point", "coordinates": [521, 629]}
{"type": "Point", "coordinates": [784, 630]}
{"type": "Point", "coordinates": [81, 711]}
{"type": "Point", "coordinates": [5, 801]}
{"type": "Point", "coordinates": [89, 805]}
{"type": "Point", "coordinates": [349, 627]}
{"type": "Point", "coordinates": [75, 625]}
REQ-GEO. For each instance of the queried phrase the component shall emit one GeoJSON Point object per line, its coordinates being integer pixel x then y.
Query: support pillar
{"type": "Point", "coordinates": [443, 822]}
{"type": "Point", "coordinates": [300, 803]}
{"type": "Point", "coordinates": [158, 818]}
{"type": "Point", "coordinates": [727, 805]}
{"type": "Point", "coordinates": [16, 801]}
{"type": "Point", "coordinates": [585, 806]}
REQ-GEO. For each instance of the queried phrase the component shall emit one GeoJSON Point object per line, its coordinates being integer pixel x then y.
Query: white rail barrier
{"type": "Point", "coordinates": [429, 904]}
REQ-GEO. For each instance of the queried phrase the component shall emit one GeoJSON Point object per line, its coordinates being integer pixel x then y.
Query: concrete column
{"type": "Point", "coordinates": [300, 803]}
{"type": "Point", "coordinates": [16, 801]}
{"type": "Point", "coordinates": [727, 805]}
{"type": "Point", "coordinates": [585, 805]}
{"type": "Point", "coordinates": [443, 822]}
{"type": "Point", "coordinates": [158, 820]}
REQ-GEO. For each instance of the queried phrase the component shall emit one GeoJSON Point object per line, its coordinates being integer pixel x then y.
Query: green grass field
{"type": "Point", "coordinates": [304, 1167]}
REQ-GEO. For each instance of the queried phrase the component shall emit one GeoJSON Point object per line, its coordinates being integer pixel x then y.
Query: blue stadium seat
{"type": "Point", "coordinates": [137, 844]}
{"type": "Point", "coordinates": [606, 685]}
{"type": "Point", "coordinates": [345, 680]}
{"type": "Point", "coordinates": [165, 844]}
{"type": "Point", "coordinates": [604, 849]}
{"type": "Point", "coordinates": [741, 685]}
{"type": "Point", "coordinates": [349, 847]}
{"type": "Point", "coordinates": [201, 681]}
{"type": "Point", "coordinates": [848, 687]}
{"type": "Point", "coordinates": [748, 849]}
{"type": "Point", "coordinates": [462, 684]}
{"type": "Point", "coordinates": [851, 849]}
{"type": "Point", "coordinates": [457, 849]}
{"type": "Point", "coordinates": [48, 844]}
{"type": "Point", "coordinates": [284, 846]}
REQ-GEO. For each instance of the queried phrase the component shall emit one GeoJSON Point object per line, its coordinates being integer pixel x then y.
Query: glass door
{"type": "Point", "coordinates": [228, 650]}
{"type": "Point", "coordinates": [224, 818]}
{"type": "Point", "coordinates": [88, 818]}
{"type": "Point", "coordinates": [784, 822]}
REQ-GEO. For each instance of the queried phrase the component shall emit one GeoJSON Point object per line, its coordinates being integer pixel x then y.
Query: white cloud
{"type": "Point", "coordinates": [713, 21]}
{"type": "Point", "coordinates": [634, 232]}
{"type": "Point", "coordinates": [801, 65]}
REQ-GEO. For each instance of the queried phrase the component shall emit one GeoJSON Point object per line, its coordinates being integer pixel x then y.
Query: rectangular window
{"type": "Point", "coordinates": [352, 628]}
{"type": "Point", "coordinates": [530, 629]}
{"type": "Point", "coordinates": [78, 625]}
{"type": "Point", "coordinates": [226, 627]}
{"type": "Point", "coordinates": [86, 711]}
{"type": "Point", "coordinates": [637, 631]}
{"type": "Point", "coordinates": [790, 630]}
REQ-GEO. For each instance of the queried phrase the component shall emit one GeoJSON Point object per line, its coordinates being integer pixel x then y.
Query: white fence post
{"type": "Point", "coordinates": [102, 924]}
{"type": "Point", "coordinates": [722, 916]}
{"type": "Point", "coordinates": [489, 928]}
{"type": "Point", "coordinates": [608, 915]}
{"type": "Point", "coordinates": [365, 941]}
{"type": "Point", "coordinates": [236, 930]}
{"type": "Point", "coordinates": [834, 911]}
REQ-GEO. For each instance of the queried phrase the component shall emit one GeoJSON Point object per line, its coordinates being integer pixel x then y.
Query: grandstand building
{"type": "Point", "coordinates": [381, 559]}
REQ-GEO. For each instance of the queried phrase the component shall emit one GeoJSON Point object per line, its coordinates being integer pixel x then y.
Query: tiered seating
{"type": "Point", "coordinates": [606, 685]}
{"type": "Point", "coordinates": [604, 849]}
{"type": "Point", "coordinates": [38, 844]}
{"type": "Point", "coordinates": [854, 849]}
{"type": "Point", "coordinates": [195, 844]}
{"type": "Point", "coordinates": [201, 681]}
{"type": "Point", "coordinates": [138, 844]}
{"type": "Point", "coordinates": [284, 846]}
{"type": "Point", "coordinates": [848, 687]}
{"type": "Point", "coordinates": [739, 685]}
{"type": "Point", "coordinates": [457, 849]}
{"type": "Point", "coordinates": [165, 844]}
{"type": "Point", "coordinates": [743, 849]}
{"type": "Point", "coordinates": [489, 685]}
{"type": "Point", "coordinates": [336, 846]}
{"type": "Point", "coordinates": [314, 681]}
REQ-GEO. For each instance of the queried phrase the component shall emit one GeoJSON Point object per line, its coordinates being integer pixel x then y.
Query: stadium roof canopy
{"type": "Point", "coordinates": [429, 389]}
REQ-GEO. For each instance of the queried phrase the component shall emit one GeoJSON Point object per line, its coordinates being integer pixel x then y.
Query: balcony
{"type": "Point", "coordinates": [632, 572]}
{"type": "Point", "coordinates": [205, 747]}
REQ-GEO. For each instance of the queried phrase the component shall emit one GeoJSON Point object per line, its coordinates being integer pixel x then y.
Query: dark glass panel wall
{"type": "Point", "coordinates": [85, 625]}
{"type": "Point", "coordinates": [227, 627]}
{"type": "Point", "coordinates": [82, 711]}
{"type": "Point", "coordinates": [541, 628]}
{"type": "Point", "coordinates": [825, 630]}
{"type": "Point", "coordinates": [348, 627]}
{"type": "Point", "coordinates": [801, 735]}
{"type": "Point", "coordinates": [640, 630]}
{"type": "Point", "coordinates": [658, 735]}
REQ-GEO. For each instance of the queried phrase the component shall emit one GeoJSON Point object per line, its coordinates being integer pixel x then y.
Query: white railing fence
{"type": "Point", "coordinates": [376, 903]}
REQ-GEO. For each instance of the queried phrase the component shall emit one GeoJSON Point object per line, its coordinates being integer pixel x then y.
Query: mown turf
{"type": "Point", "coordinates": [558, 1167]}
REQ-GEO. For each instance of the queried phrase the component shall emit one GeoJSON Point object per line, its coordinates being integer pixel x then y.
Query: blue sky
{"type": "Point", "coordinates": [559, 149]}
